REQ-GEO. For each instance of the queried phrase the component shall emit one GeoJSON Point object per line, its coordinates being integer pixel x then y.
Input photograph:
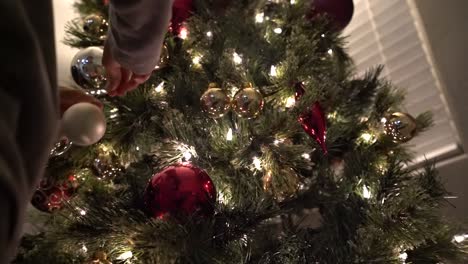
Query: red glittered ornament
{"type": "Point", "coordinates": [50, 196]}
{"type": "Point", "coordinates": [339, 11]}
{"type": "Point", "coordinates": [180, 189]}
{"type": "Point", "coordinates": [314, 124]}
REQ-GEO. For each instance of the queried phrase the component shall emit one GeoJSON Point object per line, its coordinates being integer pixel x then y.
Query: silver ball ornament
{"type": "Point", "coordinates": [84, 124]}
{"type": "Point", "coordinates": [87, 69]}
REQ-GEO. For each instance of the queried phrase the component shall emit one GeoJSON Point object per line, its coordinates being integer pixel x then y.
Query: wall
{"type": "Point", "coordinates": [446, 26]}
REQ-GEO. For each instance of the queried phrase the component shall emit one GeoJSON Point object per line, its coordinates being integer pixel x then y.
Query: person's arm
{"type": "Point", "coordinates": [134, 41]}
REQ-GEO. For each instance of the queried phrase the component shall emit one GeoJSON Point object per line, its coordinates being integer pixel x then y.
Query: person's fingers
{"type": "Point", "coordinates": [141, 78]}
{"type": "Point", "coordinates": [126, 82]}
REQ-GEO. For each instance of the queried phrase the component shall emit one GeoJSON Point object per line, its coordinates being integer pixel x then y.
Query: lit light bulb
{"type": "Point", "coordinates": [330, 52]}
{"type": "Point", "coordinates": [114, 110]}
{"type": "Point", "coordinates": [113, 116]}
{"type": "Point", "coordinates": [187, 155]}
{"type": "Point", "coordinates": [159, 88]}
{"type": "Point", "coordinates": [229, 135]}
{"type": "Point", "coordinates": [257, 163]}
{"type": "Point", "coordinates": [82, 212]}
{"type": "Point", "coordinates": [366, 193]}
{"type": "Point", "coordinates": [209, 34]}
{"type": "Point", "coordinates": [403, 256]}
{"type": "Point", "coordinates": [183, 34]}
{"type": "Point", "coordinates": [306, 156]}
{"type": "Point", "coordinates": [293, 2]}
{"type": "Point", "coordinates": [368, 138]}
{"type": "Point", "coordinates": [278, 30]}
{"type": "Point", "coordinates": [137, 148]}
{"type": "Point", "coordinates": [126, 255]}
{"type": "Point", "coordinates": [290, 102]}
{"type": "Point", "coordinates": [460, 238]}
{"type": "Point", "coordinates": [273, 72]}
{"type": "Point", "coordinates": [260, 17]}
{"type": "Point", "coordinates": [236, 58]}
{"type": "Point", "coordinates": [383, 120]}
{"type": "Point", "coordinates": [196, 60]}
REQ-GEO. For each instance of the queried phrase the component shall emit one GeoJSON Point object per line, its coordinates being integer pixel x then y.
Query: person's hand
{"type": "Point", "coordinates": [119, 79]}
{"type": "Point", "coordinates": [69, 97]}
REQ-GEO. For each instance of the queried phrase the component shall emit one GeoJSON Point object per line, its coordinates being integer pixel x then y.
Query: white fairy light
{"type": "Point", "coordinates": [196, 60]}
{"type": "Point", "coordinates": [278, 30]}
{"type": "Point", "coordinates": [137, 148]}
{"type": "Point", "coordinates": [368, 138]}
{"type": "Point", "coordinates": [84, 249]}
{"type": "Point", "coordinates": [113, 116]}
{"type": "Point", "coordinates": [290, 102]}
{"type": "Point", "coordinates": [126, 255]}
{"type": "Point", "coordinates": [229, 135]}
{"type": "Point", "coordinates": [460, 238]}
{"type": "Point", "coordinates": [183, 34]}
{"type": "Point", "coordinates": [330, 52]}
{"type": "Point", "coordinates": [383, 120]}
{"type": "Point", "coordinates": [187, 155]}
{"type": "Point", "coordinates": [236, 58]}
{"type": "Point", "coordinates": [306, 156]}
{"type": "Point", "coordinates": [273, 72]}
{"type": "Point", "coordinates": [293, 2]}
{"type": "Point", "coordinates": [82, 212]}
{"type": "Point", "coordinates": [257, 163]}
{"type": "Point", "coordinates": [209, 34]}
{"type": "Point", "coordinates": [260, 17]}
{"type": "Point", "coordinates": [114, 110]}
{"type": "Point", "coordinates": [159, 88]}
{"type": "Point", "coordinates": [403, 256]}
{"type": "Point", "coordinates": [366, 193]}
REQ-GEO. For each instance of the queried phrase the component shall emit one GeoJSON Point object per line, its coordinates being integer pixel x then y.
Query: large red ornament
{"type": "Point", "coordinates": [181, 11]}
{"type": "Point", "coordinates": [314, 124]}
{"type": "Point", "coordinates": [180, 189]}
{"type": "Point", "coordinates": [50, 196]}
{"type": "Point", "coordinates": [339, 11]}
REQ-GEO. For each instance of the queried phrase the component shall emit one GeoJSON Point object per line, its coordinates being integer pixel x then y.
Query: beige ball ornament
{"type": "Point", "coordinates": [248, 102]}
{"type": "Point", "coordinates": [84, 124]}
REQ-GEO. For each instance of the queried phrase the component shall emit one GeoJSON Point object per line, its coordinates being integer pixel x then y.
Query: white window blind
{"type": "Point", "coordinates": [388, 32]}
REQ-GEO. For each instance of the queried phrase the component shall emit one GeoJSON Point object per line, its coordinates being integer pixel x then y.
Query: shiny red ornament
{"type": "Point", "coordinates": [339, 11]}
{"type": "Point", "coordinates": [50, 196]}
{"type": "Point", "coordinates": [180, 190]}
{"type": "Point", "coordinates": [105, 2]}
{"type": "Point", "coordinates": [181, 11]}
{"type": "Point", "coordinates": [314, 124]}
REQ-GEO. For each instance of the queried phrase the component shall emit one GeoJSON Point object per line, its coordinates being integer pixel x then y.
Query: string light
{"type": "Point", "coordinates": [368, 138]}
{"type": "Point", "coordinates": [187, 152]}
{"type": "Point", "coordinates": [114, 110]}
{"type": "Point", "coordinates": [260, 17]}
{"type": "Point", "coordinates": [137, 148]}
{"type": "Point", "coordinates": [290, 102]}
{"type": "Point", "coordinates": [236, 58]}
{"type": "Point", "coordinates": [273, 72]}
{"type": "Point", "coordinates": [196, 60]}
{"type": "Point", "coordinates": [278, 30]}
{"type": "Point", "coordinates": [383, 120]}
{"type": "Point", "coordinates": [83, 212]}
{"type": "Point", "coordinates": [293, 2]}
{"type": "Point", "coordinates": [159, 88]}
{"type": "Point", "coordinates": [366, 193]}
{"type": "Point", "coordinates": [84, 249]}
{"type": "Point", "coordinates": [460, 238]}
{"type": "Point", "coordinates": [306, 156]}
{"type": "Point", "coordinates": [126, 255]}
{"type": "Point", "coordinates": [209, 34]}
{"type": "Point", "coordinates": [113, 116]}
{"type": "Point", "coordinates": [257, 163]}
{"type": "Point", "coordinates": [330, 52]}
{"type": "Point", "coordinates": [229, 135]}
{"type": "Point", "coordinates": [403, 256]}
{"type": "Point", "coordinates": [183, 34]}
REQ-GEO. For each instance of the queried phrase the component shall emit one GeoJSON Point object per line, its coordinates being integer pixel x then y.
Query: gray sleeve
{"type": "Point", "coordinates": [137, 32]}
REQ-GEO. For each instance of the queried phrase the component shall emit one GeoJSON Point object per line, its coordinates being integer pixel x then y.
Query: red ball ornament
{"type": "Point", "coordinates": [339, 11]}
{"type": "Point", "coordinates": [181, 11]}
{"type": "Point", "coordinates": [50, 196]}
{"type": "Point", "coordinates": [314, 124]}
{"type": "Point", "coordinates": [180, 189]}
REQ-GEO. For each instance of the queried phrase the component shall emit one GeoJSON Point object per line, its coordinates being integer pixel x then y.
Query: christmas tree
{"type": "Point", "coordinates": [254, 141]}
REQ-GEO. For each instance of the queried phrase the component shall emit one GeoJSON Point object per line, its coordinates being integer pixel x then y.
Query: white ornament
{"type": "Point", "coordinates": [84, 124]}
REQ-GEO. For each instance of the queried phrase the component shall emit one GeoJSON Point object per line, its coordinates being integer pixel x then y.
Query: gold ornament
{"type": "Point", "coordinates": [99, 257]}
{"type": "Point", "coordinates": [215, 102]}
{"type": "Point", "coordinates": [95, 25]}
{"type": "Point", "coordinates": [248, 102]}
{"type": "Point", "coordinates": [401, 127]}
